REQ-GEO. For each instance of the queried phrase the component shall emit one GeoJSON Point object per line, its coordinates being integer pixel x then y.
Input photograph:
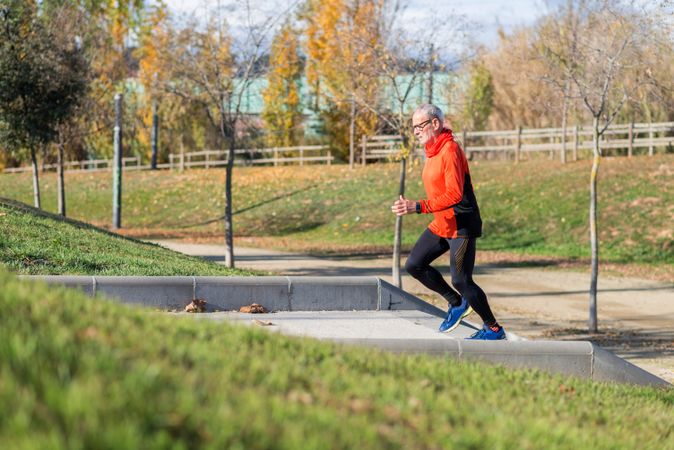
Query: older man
{"type": "Point", "coordinates": [455, 227]}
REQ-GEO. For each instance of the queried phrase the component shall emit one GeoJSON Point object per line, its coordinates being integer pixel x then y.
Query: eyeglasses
{"type": "Point", "coordinates": [420, 126]}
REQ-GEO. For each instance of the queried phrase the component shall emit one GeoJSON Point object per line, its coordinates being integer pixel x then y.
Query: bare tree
{"type": "Point", "coordinates": [212, 66]}
{"type": "Point", "coordinates": [608, 42]}
{"type": "Point", "coordinates": [559, 36]}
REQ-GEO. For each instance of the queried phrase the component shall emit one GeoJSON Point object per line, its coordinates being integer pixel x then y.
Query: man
{"type": "Point", "coordinates": [455, 227]}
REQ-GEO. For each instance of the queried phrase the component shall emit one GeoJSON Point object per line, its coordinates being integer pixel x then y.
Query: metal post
{"type": "Point", "coordinates": [518, 147]}
{"type": "Point", "coordinates": [117, 167]}
{"type": "Point", "coordinates": [155, 135]}
{"type": "Point", "coordinates": [575, 143]}
{"type": "Point", "coordinates": [363, 159]}
{"type": "Point", "coordinates": [562, 155]}
{"type": "Point", "coordinates": [650, 139]}
{"type": "Point", "coordinates": [352, 133]}
{"type": "Point", "coordinates": [464, 139]}
{"type": "Point", "coordinates": [301, 156]}
{"type": "Point", "coordinates": [182, 154]}
{"type": "Point", "coordinates": [630, 138]}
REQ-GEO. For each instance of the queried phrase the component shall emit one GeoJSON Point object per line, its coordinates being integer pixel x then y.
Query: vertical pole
{"type": "Point", "coordinates": [575, 143]}
{"type": "Point", "coordinates": [363, 153]}
{"type": "Point", "coordinates": [329, 158]}
{"type": "Point", "coordinates": [275, 156]}
{"type": "Point", "coordinates": [464, 139]}
{"type": "Point", "coordinates": [650, 139]}
{"type": "Point", "coordinates": [562, 152]}
{"type": "Point", "coordinates": [60, 181]}
{"type": "Point", "coordinates": [431, 66]}
{"type": "Point", "coordinates": [117, 167]}
{"type": "Point", "coordinates": [155, 135]}
{"type": "Point", "coordinates": [630, 139]}
{"type": "Point", "coordinates": [518, 147]}
{"type": "Point", "coordinates": [182, 154]}
{"type": "Point", "coordinates": [301, 156]}
{"type": "Point", "coordinates": [352, 133]}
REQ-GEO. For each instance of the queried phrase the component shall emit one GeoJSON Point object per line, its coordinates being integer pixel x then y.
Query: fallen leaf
{"type": "Point", "coordinates": [197, 305]}
{"type": "Point", "coordinates": [253, 308]}
{"type": "Point", "coordinates": [262, 323]}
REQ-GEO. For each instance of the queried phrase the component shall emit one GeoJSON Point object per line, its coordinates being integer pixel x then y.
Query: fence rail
{"type": "Point", "coordinates": [274, 156]}
{"type": "Point", "coordinates": [206, 158]}
{"type": "Point", "coordinates": [92, 165]}
{"type": "Point", "coordinates": [518, 142]}
{"type": "Point", "coordinates": [514, 144]}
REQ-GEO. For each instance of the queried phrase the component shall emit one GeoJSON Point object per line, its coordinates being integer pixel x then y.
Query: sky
{"type": "Point", "coordinates": [483, 17]}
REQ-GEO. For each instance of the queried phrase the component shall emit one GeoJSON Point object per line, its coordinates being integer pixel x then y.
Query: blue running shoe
{"type": "Point", "coordinates": [488, 334]}
{"type": "Point", "coordinates": [454, 316]}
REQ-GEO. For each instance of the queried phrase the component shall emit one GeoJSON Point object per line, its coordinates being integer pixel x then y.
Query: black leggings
{"type": "Point", "coordinates": [461, 262]}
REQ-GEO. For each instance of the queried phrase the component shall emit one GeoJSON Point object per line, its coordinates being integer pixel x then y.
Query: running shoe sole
{"type": "Point", "coordinates": [465, 314]}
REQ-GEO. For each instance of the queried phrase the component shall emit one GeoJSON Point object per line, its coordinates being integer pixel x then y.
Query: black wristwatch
{"type": "Point", "coordinates": [418, 207]}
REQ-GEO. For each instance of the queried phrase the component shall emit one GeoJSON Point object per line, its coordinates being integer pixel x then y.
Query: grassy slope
{"type": "Point", "coordinates": [77, 373]}
{"type": "Point", "coordinates": [539, 207]}
{"type": "Point", "coordinates": [34, 242]}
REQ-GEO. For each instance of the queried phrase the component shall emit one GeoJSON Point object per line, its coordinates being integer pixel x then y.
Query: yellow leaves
{"type": "Point", "coordinates": [282, 107]}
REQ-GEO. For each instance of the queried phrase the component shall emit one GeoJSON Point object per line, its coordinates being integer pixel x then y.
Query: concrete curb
{"type": "Point", "coordinates": [231, 293]}
{"type": "Point", "coordinates": [574, 358]}
{"type": "Point", "coordinates": [582, 359]}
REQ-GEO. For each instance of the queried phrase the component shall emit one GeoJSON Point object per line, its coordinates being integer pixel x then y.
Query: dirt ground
{"type": "Point", "coordinates": [536, 299]}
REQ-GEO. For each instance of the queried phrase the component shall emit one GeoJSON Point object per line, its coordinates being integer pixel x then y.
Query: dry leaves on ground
{"type": "Point", "coordinates": [253, 308]}
{"type": "Point", "coordinates": [197, 305]}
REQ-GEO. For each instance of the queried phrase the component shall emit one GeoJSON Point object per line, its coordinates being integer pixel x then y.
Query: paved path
{"type": "Point", "coordinates": [637, 315]}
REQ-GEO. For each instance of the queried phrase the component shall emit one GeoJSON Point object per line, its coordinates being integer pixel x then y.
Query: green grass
{"type": "Point", "coordinates": [77, 373]}
{"type": "Point", "coordinates": [34, 242]}
{"type": "Point", "coordinates": [536, 207]}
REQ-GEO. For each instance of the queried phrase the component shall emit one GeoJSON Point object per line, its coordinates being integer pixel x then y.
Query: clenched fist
{"type": "Point", "coordinates": [403, 206]}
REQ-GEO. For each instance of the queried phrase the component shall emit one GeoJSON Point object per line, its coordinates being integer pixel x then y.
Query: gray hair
{"type": "Point", "coordinates": [431, 111]}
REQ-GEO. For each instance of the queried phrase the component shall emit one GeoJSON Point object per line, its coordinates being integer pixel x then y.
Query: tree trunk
{"type": "Point", "coordinates": [60, 181]}
{"type": "Point", "coordinates": [352, 134]}
{"type": "Point", "coordinates": [154, 136]}
{"type": "Point", "coordinates": [397, 238]}
{"type": "Point", "coordinates": [565, 108]}
{"type": "Point", "coordinates": [36, 178]}
{"type": "Point", "coordinates": [229, 229]}
{"type": "Point", "coordinates": [594, 243]}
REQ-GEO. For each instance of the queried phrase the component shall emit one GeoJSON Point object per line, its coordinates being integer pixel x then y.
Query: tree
{"type": "Point", "coordinates": [609, 41]}
{"type": "Point", "coordinates": [40, 80]}
{"type": "Point", "coordinates": [341, 41]}
{"type": "Point", "coordinates": [64, 24]}
{"type": "Point", "coordinates": [479, 98]}
{"type": "Point", "coordinates": [519, 96]}
{"type": "Point", "coordinates": [212, 70]}
{"type": "Point", "coordinates": [282, 106]}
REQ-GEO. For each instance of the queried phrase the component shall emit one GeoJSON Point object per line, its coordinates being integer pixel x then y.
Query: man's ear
{"type": "Point", "coordinates": [437, 125]}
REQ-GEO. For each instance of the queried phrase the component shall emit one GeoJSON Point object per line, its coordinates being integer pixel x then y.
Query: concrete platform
{"type": "Point", "coordinates": [355, 311]}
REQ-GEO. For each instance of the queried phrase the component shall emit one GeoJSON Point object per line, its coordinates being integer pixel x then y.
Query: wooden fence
{"type": "Point", "coordinates": [518, 144]}
{"type": "Point", "coordinates": [272, 156]}
{"type": "Point", "coordinates": [206, 158]}
{"type": "Point", "coordinates": [374, 148]}
{"type": "Point", "coordinates": [130, 163]}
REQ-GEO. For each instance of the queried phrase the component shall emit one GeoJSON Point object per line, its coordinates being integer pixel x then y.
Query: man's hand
{"type": "Point", "coordinates": [403, 206]}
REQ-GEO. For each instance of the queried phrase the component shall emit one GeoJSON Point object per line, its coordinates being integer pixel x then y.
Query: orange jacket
{"type": "Point", "coordinates": [450, 193]}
